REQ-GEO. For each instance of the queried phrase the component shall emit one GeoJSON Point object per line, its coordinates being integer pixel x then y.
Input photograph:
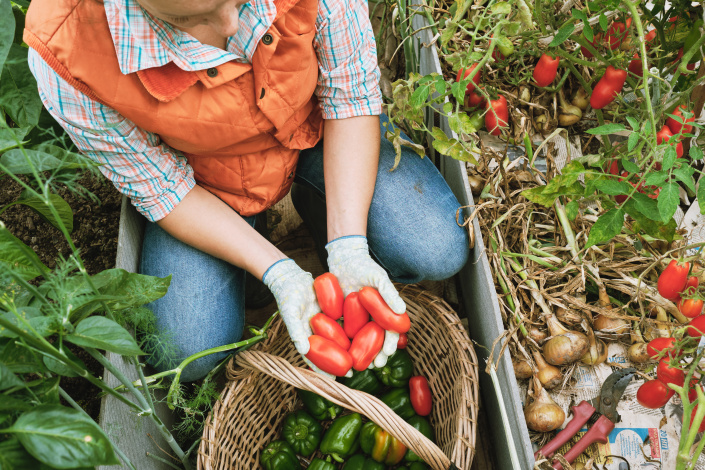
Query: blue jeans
{"type": "Point", "coordinates": [411, 232]}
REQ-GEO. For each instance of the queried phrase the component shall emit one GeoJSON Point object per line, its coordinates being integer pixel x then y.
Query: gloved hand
{"type": "Point", "coordinates": [350, 261]}
{"type": "Point", "coordinates": [293, 290]}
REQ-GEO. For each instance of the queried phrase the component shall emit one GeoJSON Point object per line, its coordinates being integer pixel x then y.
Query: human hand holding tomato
{"type": "Point", "coordinates": [293, 290]}
{"type": "Point", "coordinates": [349, 260]}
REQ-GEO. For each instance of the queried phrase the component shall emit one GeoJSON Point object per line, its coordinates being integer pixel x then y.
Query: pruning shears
{"type": "Point", "coordinates": [599, 415]}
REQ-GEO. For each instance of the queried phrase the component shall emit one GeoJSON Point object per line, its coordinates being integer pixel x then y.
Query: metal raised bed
{"type": "Point", "coordinates": [505, 414]}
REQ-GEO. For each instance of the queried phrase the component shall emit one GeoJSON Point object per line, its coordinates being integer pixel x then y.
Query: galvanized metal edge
{"type": "Point", "coordinates": [480, 302]}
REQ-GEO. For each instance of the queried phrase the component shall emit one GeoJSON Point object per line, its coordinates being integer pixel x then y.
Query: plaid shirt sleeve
{"type": "Point", "coordinates": [348, 80]}
{"type": "Point", "coordinates": [149, 172]}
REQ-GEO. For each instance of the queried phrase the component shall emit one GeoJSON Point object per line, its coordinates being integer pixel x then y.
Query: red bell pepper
{"type": "Point", "coordinates": [354, 315]}
{"type": "Point", "coordinates": [381, 313]}
{"type": "Point", "coordinates": [546, 70]}
{"type": "Point", "coordinates": [329, 295]}
{"type": "Point", "coordinates": [323, 325]}
{"type": "Point", "coordinates": [421, 398]}
{"type": "Point", "coordinates": [328, 356]}
{"type": "Point", "coordinates": [497, 115]}
{"type": "Point", "coordinates": [608, 87]}
{"type": "Point", "coordinates": [366, 344]}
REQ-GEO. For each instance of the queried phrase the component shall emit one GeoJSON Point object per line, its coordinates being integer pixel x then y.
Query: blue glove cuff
{"type": "Point", "coordinates": [278, 269]}
{"type": "Point", "coordinates": [348, 241]}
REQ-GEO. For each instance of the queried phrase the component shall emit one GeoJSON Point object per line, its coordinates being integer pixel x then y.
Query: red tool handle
{"type": "Point", "coordinates": [581, 414]}
{"type": "Point", "coordinates": [598, 432]}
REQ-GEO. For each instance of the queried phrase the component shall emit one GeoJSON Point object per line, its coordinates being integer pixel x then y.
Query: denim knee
{"type": "Point", "coordinates": [439, 256]}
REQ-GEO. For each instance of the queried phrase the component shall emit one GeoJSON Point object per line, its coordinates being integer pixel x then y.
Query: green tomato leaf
{"type": "Point", "coordinates": [501, 8]}
{"type": "Point", "coordinates": [630, 166]}
{"type": "Point", "coordinates": [17, 256]}
{"type": "Point", "coordinates": [669, 158]}
{"type": "Point", "coordinates": [587, 31]}
{"type": "Point", "coordinates": [63, 437]}
{"type": "Point", "coordinates": [7, 29]}
{"type": "Point", "coordinates": [457, 89]}
{"type": "Point", "coordinates": [606, 227]}
{"type": "Point", "coordinates": [102, 333]}
{"type": "Point", "coordinates": [604, 22]}
{"type": "Point", "coordinates": [668, 200]}
{"type": "Point", "coordinates": [611, 186]}
{"type": "Point", "coordinates": [24, 161]}
{"type": "Point", "coordinates": [447, 107]}
{"type": "Point", "coordinates": [633, 123]}
{"type": "Point", "coordinates": [684, 174]}
{"type": "Point", "coordinates": [652, 227]}
{"type": "Point", "coordinates": [18, 89]}
{"type": "Point", "coordinates": [450, 147]}
{"type": "Point", "coordinates": [420, 95]}
{"type": "Point", "coordinates": [657, 178]}
{"type": "Point", "coordinates": [461, 123]}
{"type": "Point", "coordinates": [11, 137]}
{"type": "Point", "coordinates": [562, 34]}
{"type": "Point", "coordinates": [572, 209]}
{"type": "Point", "coordinates": [632, 141]}
{"type": "Point", "coordinates": [700, 194]}
{"type": "Point", "coordinates": [695, 153]}
{"type": "Point", "coordinates": [60, 205]}
{"type": "Point", "coordinates": [606, 129]}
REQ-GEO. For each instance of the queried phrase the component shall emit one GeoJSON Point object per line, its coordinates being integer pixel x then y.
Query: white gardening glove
{"type": "Point", "coordinates": [293, 290]}
{"type": "Point", "coordinates": [350, 261]}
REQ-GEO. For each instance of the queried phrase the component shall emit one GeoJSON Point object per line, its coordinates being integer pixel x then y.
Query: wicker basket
{"type": "Point", "coordinates": [262, 386]}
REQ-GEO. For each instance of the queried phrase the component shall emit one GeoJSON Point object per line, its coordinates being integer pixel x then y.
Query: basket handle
{"type": "Point", "coordinates": [354, 400]}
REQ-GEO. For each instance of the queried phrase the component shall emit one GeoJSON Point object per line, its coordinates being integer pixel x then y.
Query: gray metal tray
{"type": "Point", "coordinates": [510, 435]}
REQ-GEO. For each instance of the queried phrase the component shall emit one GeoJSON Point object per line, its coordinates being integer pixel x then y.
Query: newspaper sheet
{"type": "Point", "coordinates": [646, 438]}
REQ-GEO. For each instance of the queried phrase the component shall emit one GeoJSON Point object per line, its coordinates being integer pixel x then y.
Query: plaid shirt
{"type": "Point", "coordinates": [155, 176]}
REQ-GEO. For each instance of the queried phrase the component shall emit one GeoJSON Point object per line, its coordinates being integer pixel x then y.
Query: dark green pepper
{"type": "Point", "coordinates": [279, 455]}
{"type": "Point", "coordinates": [319, 407]}
{"type": "Point", "coordinates": [302, 432]}
{"type": "Point", "coordinates": [319, 464]}
{"type": "Point", "coordinates": [365, 381]}
{"type": "Point", "coordinates": [400, 402]}
{"type": "Point", "coordinates": [422, 425]}
{"type": "Point", "coordinates": [362, 462]}
{"type": "Point", "coordinates": [414, 466]}
{"type": "Point", "coordinates": [375, 441]}
{"type": "Point", "coordinates": [341, 439]}
{"type": "Point", "coordinates": [397, 371]}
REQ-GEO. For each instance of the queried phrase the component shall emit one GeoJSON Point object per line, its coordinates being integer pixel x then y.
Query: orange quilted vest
{"type": "Point", "coordinates": [241, 126]}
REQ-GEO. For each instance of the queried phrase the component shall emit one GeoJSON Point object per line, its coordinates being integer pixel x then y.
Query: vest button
{"type": "Point", "coordinates": [267, 39]}
{"type": "Point", "coordinates": [212, 72]}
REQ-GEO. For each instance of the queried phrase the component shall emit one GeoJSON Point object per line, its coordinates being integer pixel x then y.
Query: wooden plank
{"type": "Point", "coordinates": [128, 431]}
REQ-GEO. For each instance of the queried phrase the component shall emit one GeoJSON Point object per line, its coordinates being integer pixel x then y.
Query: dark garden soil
{"type": "Point", "coordinates": [95, 234]}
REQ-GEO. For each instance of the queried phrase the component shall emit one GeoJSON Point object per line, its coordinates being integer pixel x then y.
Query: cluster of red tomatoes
{"type": "Point", "coordinates": [336, 348]}
{"type": "Point", "coordinates": [677, 285]}
{"type": "Point", "coordinates": [497, 115]}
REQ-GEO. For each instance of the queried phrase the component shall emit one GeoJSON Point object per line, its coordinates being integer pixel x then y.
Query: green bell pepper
{"type": "Point", "coordinates": [302, 432]}
{"type": "Point", "coordinates": [397, 371]}
{"type": "Point", "coordinates": [414, 466]}
{"type": "Point", "coordinates": [319, 407]}
{"type": "Point", "coordinates": [400, 402]}
{"type": "Point", "coordinates": [380, 445]}
{"type": "Point", "coordinates": [375, 441]}
{"type": "Point", "coordinates": [362, 462]}
{"type": "Point", "coordinates": [279, 455]}
{"type": "Point", "coordinates": [422, 425]}
{"type": "Point", "coordinates": [365, 381]}
{"type": "Point", "coordinates": [341, 439]}
{"type": "Point", "coordinates": [319, 464]}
